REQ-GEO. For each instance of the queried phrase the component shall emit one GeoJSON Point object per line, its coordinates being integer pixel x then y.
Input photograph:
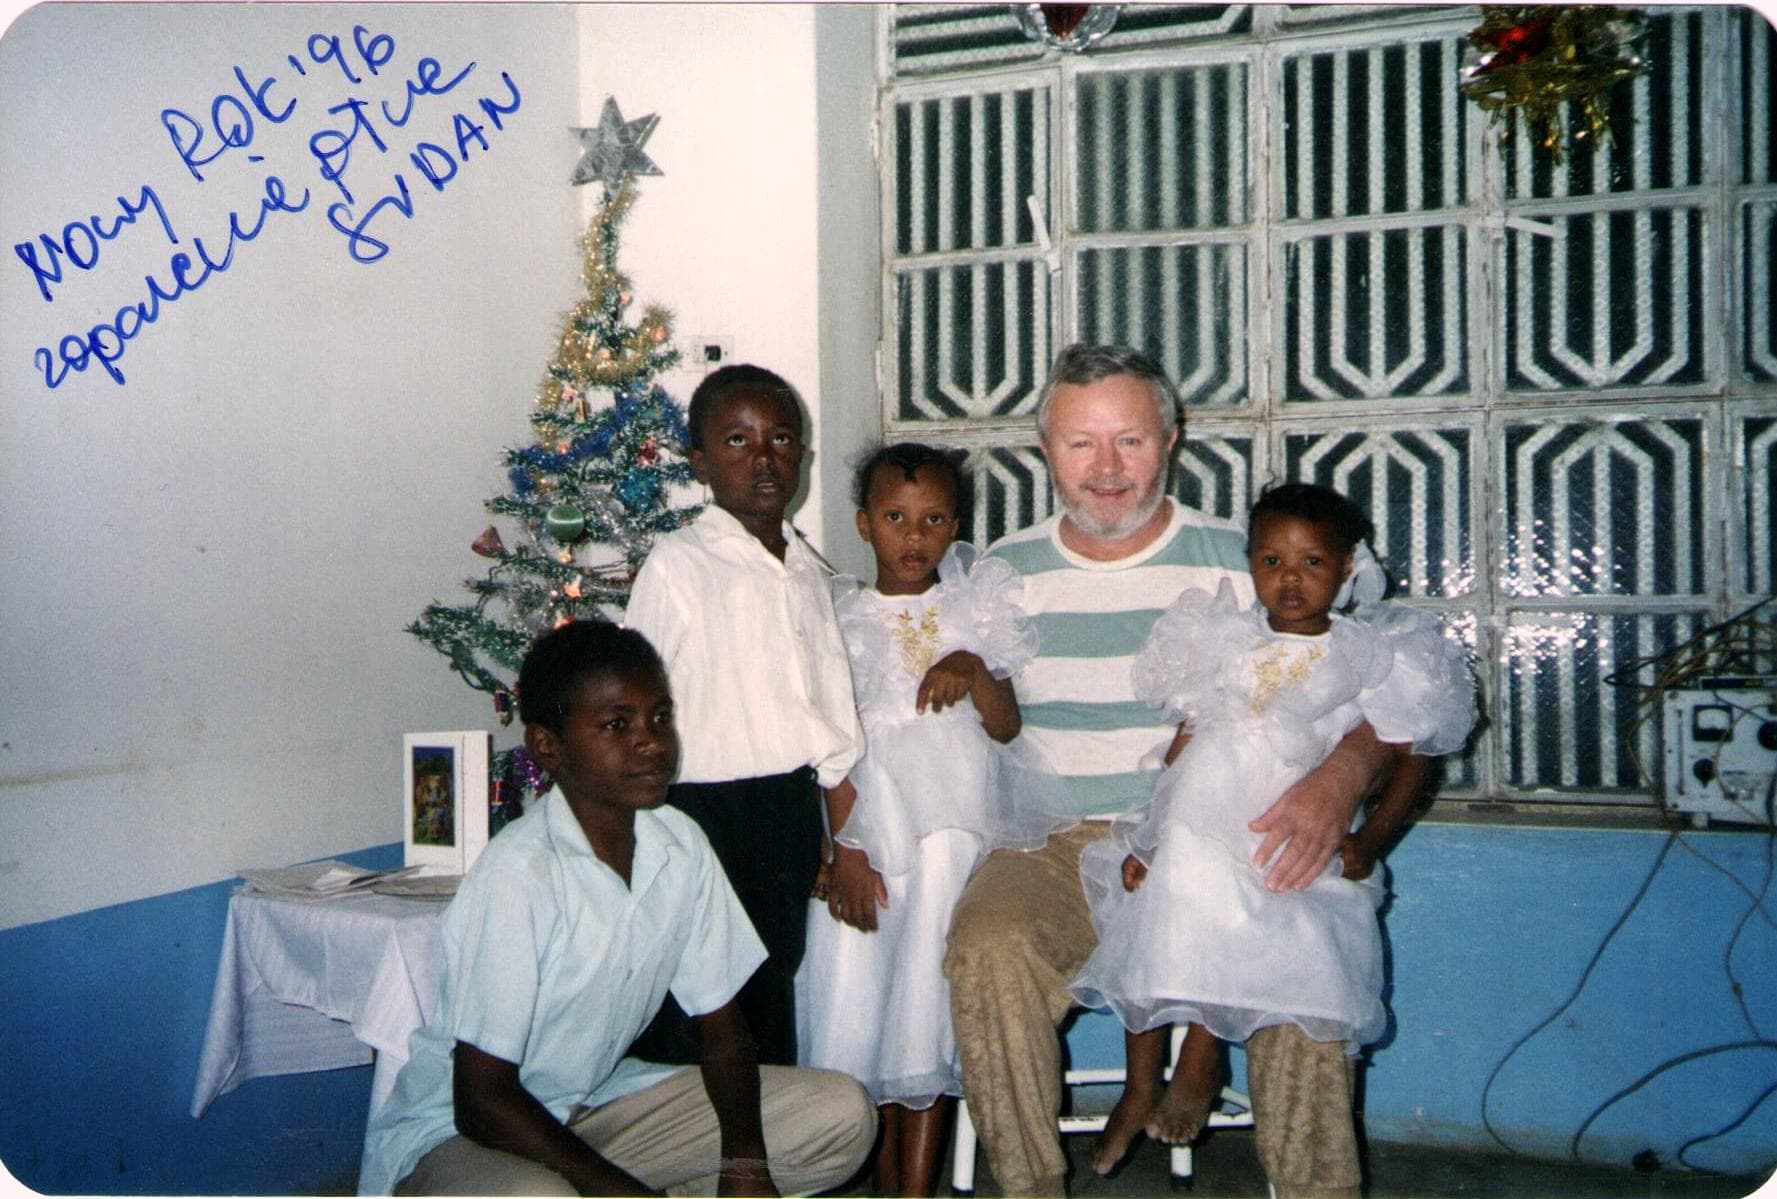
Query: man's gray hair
{"type": "Point", "coordinates": [1080, 363]}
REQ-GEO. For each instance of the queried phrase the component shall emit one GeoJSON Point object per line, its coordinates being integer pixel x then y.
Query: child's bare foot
{"type": "Point", "coordinates": [1122, 1128]}
{"type": "Point", "coordinates": [1134, 872]}
{"type": "Point", "coordinates": [1184, 1109]}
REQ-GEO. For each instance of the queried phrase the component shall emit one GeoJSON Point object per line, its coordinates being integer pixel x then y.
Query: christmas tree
{"type": "Point", "coordinates": [591, 491]}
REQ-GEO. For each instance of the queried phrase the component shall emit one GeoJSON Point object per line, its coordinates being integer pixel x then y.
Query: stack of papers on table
{"type": "Point", "coordinates": [332, 879]}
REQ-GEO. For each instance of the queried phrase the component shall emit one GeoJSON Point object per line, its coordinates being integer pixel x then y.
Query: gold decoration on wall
{"type": "Point", "coordinates": [1535, 60]}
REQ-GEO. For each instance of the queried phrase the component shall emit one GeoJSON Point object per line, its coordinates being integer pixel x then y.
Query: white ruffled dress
{"type": "Point", "coordinates": [934, 795]}
{"type": "Point", "coordinates": [1202, 940]}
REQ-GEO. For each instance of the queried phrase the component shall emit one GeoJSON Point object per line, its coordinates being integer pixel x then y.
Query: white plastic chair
{"type": "Point", "coordinates": [1234, 1110]}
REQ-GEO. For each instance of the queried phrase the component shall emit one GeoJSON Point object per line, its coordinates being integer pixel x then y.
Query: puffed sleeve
{"type": "Point", "coordinates": [866, 641]}
{"type": "Point", "coordinates": [1428, 695]}
{"type": "Point", "coordinates": [992, 612]}
{"type": "Point", "coordinates": [1177, 666]}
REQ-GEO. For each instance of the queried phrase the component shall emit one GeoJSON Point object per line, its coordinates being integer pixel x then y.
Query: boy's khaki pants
{"type": "Point", "coordinates": [1020, 934]}
{"type": "Point", "coordinates": [819, 1127]}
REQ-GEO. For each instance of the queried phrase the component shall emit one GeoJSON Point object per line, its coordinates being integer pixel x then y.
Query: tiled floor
{"type": "Point", "coordinates": [1226, 1165]}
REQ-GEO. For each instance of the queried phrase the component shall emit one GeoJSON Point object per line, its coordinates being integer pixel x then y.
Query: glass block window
{"type": "Point", "coordinates": [1553, 386]}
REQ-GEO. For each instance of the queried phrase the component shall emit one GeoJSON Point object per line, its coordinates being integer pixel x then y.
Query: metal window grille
{"type": "Point", "coordinates": [1554, 387]}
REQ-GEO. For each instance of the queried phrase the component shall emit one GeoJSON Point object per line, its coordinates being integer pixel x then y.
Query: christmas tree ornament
{"type": "Point", "coordinates": [564, 522]}
{"type": "Point", "coordinates": [488, 545]}
{"type": "Point", "coordinates": [1067, 27]}
{"type": "Point", "coordinates": [1541, 62]}
{"type": "Point", "coordinates": [508, 804]}
{"type": "Point", "coordinates": [613, 149]}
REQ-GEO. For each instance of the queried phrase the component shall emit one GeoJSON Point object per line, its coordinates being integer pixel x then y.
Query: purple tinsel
{"type": "Point", "coordinates": [532, 775]}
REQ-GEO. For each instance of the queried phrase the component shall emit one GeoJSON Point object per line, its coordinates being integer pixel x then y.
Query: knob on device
{"type": "Point", "coordinates": [1721, 748]}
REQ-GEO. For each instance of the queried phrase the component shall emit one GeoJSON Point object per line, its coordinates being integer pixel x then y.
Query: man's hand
{"type": "Point", "coordinates": [1135, 872]}
{"type": "Point", "coordinates": [1305, 827]}
{"type": "Point", "coordinates": [855, 889]}
{"type": "Point", "coordinates": [949, 681]}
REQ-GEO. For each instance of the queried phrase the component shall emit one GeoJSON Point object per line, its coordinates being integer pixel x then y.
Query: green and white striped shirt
{"type": "Point", "coordinates": [1076, 697]}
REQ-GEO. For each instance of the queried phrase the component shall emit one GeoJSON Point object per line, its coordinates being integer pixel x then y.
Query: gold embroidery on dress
{"type": "Point", "coordinates": [918, 643]}
{"type": "Point", "coordinates": [1283, 665]}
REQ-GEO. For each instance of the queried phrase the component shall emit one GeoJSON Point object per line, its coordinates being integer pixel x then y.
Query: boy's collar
{"type": "Point", "coordinates": [727, 524]}
{"type": "Point", "coordinates": [652, 839]}
{"type": "Point", "coordinates": [564, 826]}
{"type": "Point", "coordinates": [721, 525]}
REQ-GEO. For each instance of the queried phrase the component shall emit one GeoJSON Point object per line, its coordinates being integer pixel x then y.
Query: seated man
{"type": "Point", "coordinates": [1097, 574]}
{"type": "Point", "coordinates": [559, 948]}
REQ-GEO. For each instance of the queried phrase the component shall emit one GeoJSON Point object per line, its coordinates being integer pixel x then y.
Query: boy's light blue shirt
{"type": "Point", "coordinates": [552, 963]}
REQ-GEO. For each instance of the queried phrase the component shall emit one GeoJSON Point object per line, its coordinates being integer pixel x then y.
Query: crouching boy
{"type": "Point", "coordinates": [559, 948]}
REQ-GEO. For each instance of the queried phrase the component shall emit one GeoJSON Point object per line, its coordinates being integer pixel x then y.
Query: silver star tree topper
{"type": "Point", "coordinates": [613, 149]}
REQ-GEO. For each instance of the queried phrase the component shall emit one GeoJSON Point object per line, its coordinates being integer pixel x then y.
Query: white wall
{"type": "Point", "coordinates": [851, 264]}
{"type": "Point", "coordinates": [726, 236]}
{"type": "Point", "coordinates": [205, 572]}
{"type": "Point", "coordinates": [208, 568]}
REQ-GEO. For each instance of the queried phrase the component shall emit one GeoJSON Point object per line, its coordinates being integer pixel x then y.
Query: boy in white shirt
{"type": "Point", "coordinates": [560, 946]}
{"type": "Point", "coordinates": [738, 606]}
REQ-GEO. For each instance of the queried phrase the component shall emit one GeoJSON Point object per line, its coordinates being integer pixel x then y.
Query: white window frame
{"type": "Point", "coordinates": [1484, 410]}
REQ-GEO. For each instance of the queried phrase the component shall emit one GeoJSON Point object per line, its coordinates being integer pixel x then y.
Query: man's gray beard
{"type": "Point", "coordinates": [1123, 528]}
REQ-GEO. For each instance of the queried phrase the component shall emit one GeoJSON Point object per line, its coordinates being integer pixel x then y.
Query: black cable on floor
{"type": "Point", "coordinates": [1573, 1148]}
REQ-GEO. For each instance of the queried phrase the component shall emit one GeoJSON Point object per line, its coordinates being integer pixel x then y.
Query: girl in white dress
{"type": "Point", "coordinates": [1187, 928]}
{"type": "Point", "coordinates": [932, 648]}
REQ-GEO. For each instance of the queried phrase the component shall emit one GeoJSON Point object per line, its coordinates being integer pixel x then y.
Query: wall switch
{"type": "Point", "coordinates": [706, 351]}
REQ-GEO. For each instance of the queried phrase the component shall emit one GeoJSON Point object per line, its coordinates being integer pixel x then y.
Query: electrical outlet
{"type": "Point", "coordinates": [706, 352]}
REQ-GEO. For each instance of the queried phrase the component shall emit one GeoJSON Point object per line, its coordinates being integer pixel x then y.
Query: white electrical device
{"type": "Point", "coordinates": [1720, 739]}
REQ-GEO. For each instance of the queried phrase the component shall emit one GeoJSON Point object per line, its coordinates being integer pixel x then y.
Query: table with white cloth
{"type": "Point", "coordinates": [307, 984]}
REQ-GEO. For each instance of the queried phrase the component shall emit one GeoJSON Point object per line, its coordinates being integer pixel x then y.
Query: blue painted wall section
{"type": "Point", "coordinates": [1490, 933]}
{"type": "Point", "coordinates": [100, 1030]}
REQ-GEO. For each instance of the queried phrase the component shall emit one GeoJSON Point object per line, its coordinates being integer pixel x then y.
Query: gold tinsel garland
{"type": "Point", "coordinates": [1537, 59]}
{"type": "Point", "coordinates": [585, 355]}
{"type": "Point", "coordinates": [594, 349]}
